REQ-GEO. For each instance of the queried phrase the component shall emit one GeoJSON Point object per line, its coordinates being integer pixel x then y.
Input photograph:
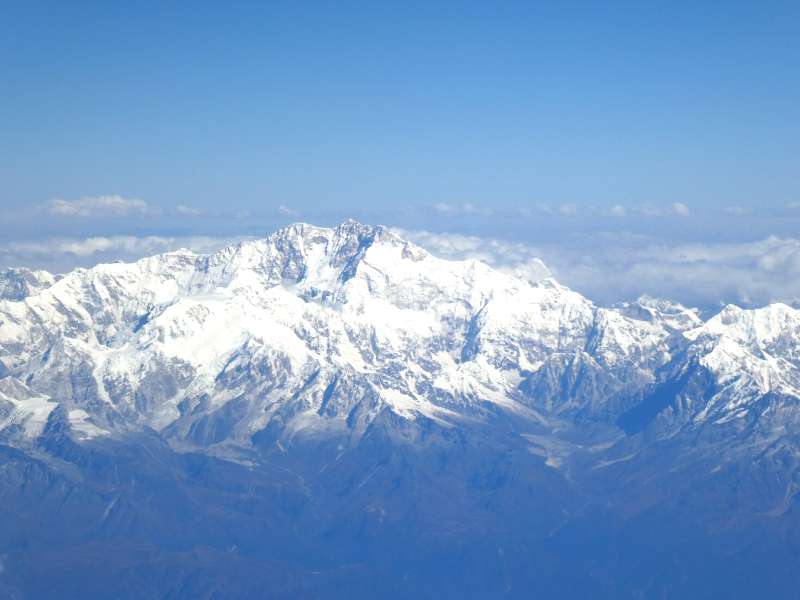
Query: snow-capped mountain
{"type": "Point", "coordinates": [338, 409]}
{"type": "Point", "coordinates": [315, 331]}
{"type": "Point", "coordinates": [741, 368]}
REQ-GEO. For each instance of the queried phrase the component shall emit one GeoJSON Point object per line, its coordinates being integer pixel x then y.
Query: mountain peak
{"type": "Point", "coordinates": [353, 227]}
{"type": "Point", "coordinates": [350, 228]}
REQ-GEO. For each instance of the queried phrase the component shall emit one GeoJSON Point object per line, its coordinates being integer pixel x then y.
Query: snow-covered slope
{"type": "Point", "coordinates": [749, 355]}
{"type": "Point", "coordinates": [316, 331]}
{"type": "Point", "coordinates": [19, 283]}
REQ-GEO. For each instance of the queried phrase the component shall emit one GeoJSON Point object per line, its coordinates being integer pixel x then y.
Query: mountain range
{"type": "Point", "coordinates": [339, 413]}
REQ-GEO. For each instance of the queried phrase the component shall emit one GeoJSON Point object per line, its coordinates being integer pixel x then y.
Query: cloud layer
{"type": "Point", "coordinates": [100, 206]}
{"type": "Point", "coordinates": [613, 267]}
{"type": "Point", "coordinates": [61, 254]}
{"type": "Point", "coordinates": [468, 209]}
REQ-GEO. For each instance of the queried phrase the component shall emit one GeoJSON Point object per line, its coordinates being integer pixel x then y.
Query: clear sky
{"type": "Point", "coordinates": [519, 119]}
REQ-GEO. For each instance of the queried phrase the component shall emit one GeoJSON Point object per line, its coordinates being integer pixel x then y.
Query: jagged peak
{"type": "Point", "coordinates": [752, 327]}
{"type": "Point", "coordinates": [348, 228]}
{"type": "Point", "coordinates": [653, 303]}
{"type": "Point", "coordinates": [732, 313]}
{"type": "Point", "coordinates": [354, 227]}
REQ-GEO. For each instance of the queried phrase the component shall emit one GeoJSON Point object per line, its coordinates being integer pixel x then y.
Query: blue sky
{"type": "Point", "coordinates": [544, 123]}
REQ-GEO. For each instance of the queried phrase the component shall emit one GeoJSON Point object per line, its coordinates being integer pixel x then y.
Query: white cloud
{"type": "Point", "coordinates": [453, 210]}
{"type": "Point", "coordinates": [539, 209]}
{"type": "Point", "coordinates": [563, 210]}
{"type": "Point", "coordinates": [650, 211]}
{"type": "Point", "coordinates": [568, 210]}
{"type": "Point", "coordinates": [749, 273]}
{"type": "Point", "coordinates": [736, 211]}
{"type": "Point", "coordinates": [287, 212]}
{"type": "Point", "coordinates": [444, 209]}
{"type": "Point", "coordinates": [58, 254]}
{"type": "Point", "coordinates": [680, 209]}
{"type": "Point", "coordinates": [189, 211]}
{"type": "Point", "coordinates": [617, 211]}
{"type": "Point", "coordinates": [472, 209]}
{"type": "Point", "coordinates": [612, 267]}
{"type": "Point", "coordinates": [100, 206]}
{"type": "Point", "coordinates": [676, 209]}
